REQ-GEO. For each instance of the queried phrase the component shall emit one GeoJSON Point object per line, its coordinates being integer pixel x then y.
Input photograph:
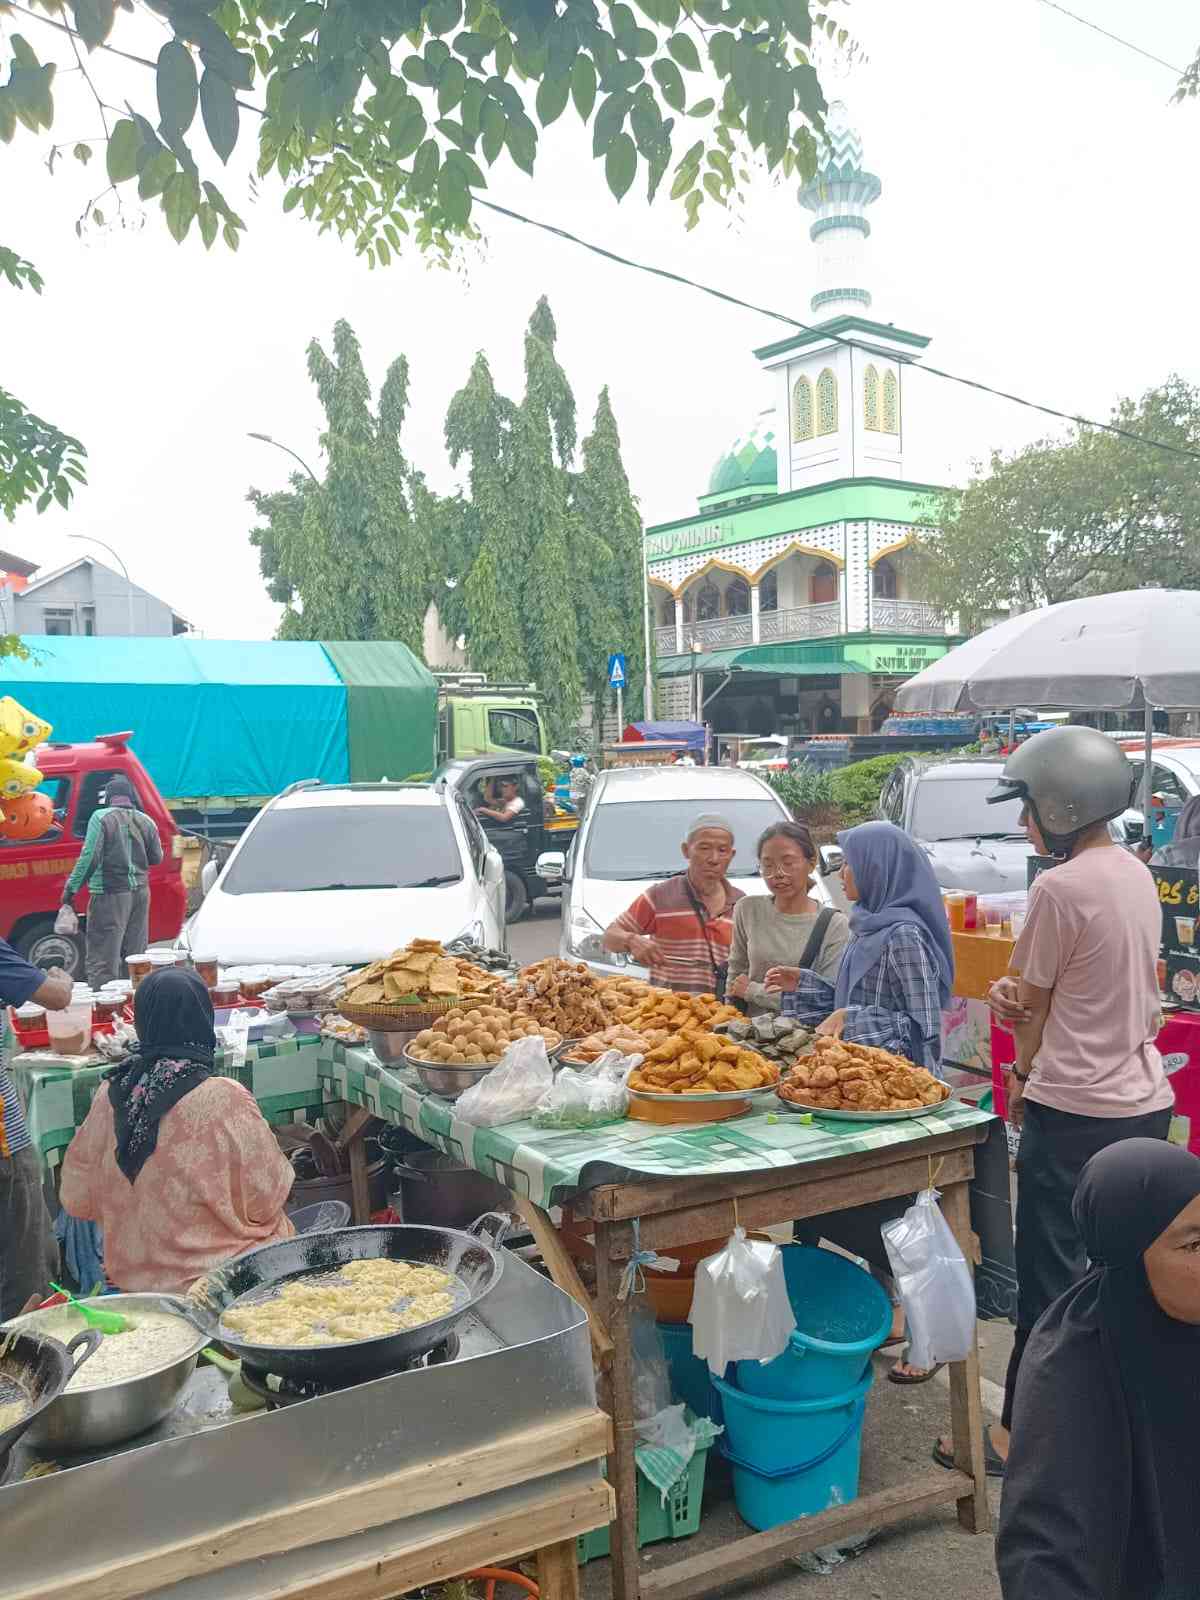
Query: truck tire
{"type": "Point", "coordinates": [44, 948]}
{"type": "Point", "coordinates": [516, 897]}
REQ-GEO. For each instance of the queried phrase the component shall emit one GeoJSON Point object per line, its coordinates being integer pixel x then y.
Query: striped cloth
{"type": "Point", "coordinates": [665, 912]}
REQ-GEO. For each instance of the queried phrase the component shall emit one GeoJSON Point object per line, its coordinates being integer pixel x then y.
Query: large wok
{"type": "Point", "coordinates": [476, 1265]}
{"type": "Point", "coordinates": [42, 1368]}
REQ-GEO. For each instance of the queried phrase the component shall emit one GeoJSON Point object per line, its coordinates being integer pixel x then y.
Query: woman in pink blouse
{"type": "Point", "coordinates": [178, 1166]}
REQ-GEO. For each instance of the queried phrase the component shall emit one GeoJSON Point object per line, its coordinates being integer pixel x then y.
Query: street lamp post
{"type": "Point", "coordinates": [265, 438]}
{"type": "Point", "coordinates": [89, 539]}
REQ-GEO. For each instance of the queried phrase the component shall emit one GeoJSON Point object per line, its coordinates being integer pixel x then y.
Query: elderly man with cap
{"type": "Point", "coordinates": [682, 928]}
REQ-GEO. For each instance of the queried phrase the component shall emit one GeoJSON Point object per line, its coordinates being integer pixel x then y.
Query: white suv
{"type": "Point", "coordinates": [637, 819]}
{"type": "Point", "coordinates": [348, 872]}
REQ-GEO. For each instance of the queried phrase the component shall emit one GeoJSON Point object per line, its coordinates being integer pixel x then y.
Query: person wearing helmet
{"type": "Point", "coordinates": [1082, 1001]}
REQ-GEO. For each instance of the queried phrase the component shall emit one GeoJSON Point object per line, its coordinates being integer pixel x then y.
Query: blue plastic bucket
{"type": "Point", "coordinates": [779, 1435]}
{"type": "Point", "coordinates": [824, 1438]}
{"type": "Point", "coordinates": [842, 1315]}
{"type": "Point", "coordinates": [689, 1374]}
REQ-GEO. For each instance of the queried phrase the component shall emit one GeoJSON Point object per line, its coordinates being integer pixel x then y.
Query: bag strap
{"type": "Point", "coordinates": [701, 918]}
{"type": "Point", "coordinates": [816, 938]}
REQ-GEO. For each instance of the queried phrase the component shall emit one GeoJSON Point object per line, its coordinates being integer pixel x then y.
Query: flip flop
{"type": "Point", "coordinates": [907, 1380]}
{"type": "Point", "coordinates": [991, 1459]}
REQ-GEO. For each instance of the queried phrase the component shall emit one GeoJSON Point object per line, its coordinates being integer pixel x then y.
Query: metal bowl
{"type": "Point", "coordinates": [91, 1419]}
{"type": "Point", "coordinates": [391, 1045]}
{"type": "Point", "coordinates": [447, 1080]}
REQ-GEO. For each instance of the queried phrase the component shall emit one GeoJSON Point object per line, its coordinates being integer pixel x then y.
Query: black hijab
{"type": "Point", "coordinates": [173, 1015]}
{"type": "Point", "coordinates": [1102, 1492]}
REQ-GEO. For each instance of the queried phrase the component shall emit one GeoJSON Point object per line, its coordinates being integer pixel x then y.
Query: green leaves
{"type": "Point", "coordinates": [93, 20]}
{"type": "Point", "coordinates": [620, 164]}
{"type": "Point", "coordinates": [583, 85]}
{"type": "Point", "coordinates": [124, 146]}
{"type": "Point", "coordinates": [684, 51]}
{"type": "Point", "coordinates": [552, 98]}
{"type": "Point", "coordinates": [175, 81]}
{"type": "Point", "coordinates": [219, 109]}
{"type": "Point", "coordinates": [180, 199]}
{"type": "Point", "coordinates": [670, 81]}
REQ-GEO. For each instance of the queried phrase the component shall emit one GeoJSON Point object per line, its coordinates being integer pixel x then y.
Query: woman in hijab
{"type": "Point", "coordinates": [1184, 848]}
{"type": "Point", "coordinates": [892, 986]}
{"type": "Point", "coordinates": [1102, 1493]}
{"type": "Point", "coordinates": [177, 1165]}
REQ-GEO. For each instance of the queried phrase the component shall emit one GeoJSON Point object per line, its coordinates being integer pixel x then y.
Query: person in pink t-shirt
{"type": "Point", "coordinates": [1082, 1001]}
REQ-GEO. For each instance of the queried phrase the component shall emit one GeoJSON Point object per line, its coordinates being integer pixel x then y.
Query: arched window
{"type": "Point", "coordinates": [827, 402]}
{"type": "Point", "coordinates": [883, 580]}
{"type": "Point", "coordinates": [768, 592]}
{"type": "Point", "coordinates": [802, 411]}
{"type": "Point", "coordinates": [823, 585]}
{"type": "Point", "coordinates": [668, 612]}
{"type": "Point", "coordinates": [871, 399]}
{"type": "Point", "coordinates": [891, 403]}
{"type": "Point", "coordinates": [737, 598]}
{"type": "Point", "coordinates": [708, 602]}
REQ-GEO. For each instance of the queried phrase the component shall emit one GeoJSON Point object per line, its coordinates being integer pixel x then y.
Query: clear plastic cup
{"type": "Point", "coordinates": [139, 967]}
{"type": "Point", "coordinates": [208, 968]}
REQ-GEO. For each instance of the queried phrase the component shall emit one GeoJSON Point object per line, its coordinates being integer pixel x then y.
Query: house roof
{"type": "Point", "coordinates": [16, 564]}
{"type": "Point", "coordinates": [91, 561]}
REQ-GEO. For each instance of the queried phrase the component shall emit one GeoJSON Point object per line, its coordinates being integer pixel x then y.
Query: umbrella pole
{"type": "Point", "coordinates": [1147, 772]}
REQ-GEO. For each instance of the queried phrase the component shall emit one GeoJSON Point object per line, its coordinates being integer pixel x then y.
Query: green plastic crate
{"type": "Point", "coordinates": [675, 1520]}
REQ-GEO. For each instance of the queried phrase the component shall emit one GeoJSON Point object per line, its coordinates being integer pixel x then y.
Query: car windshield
{"type": "Point", "coordinates": [957, 808]}
{"type": "Point", "coordinates": [310, 848]}
{"type": "Point", "coordinates": [641, 839]}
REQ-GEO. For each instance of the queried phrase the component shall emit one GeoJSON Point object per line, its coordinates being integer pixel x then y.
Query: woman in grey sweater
{"type": "Point", "coordinates": [774, 930]}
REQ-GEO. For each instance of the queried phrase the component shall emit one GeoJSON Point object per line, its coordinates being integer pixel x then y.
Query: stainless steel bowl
{"type": "Point", "coordinates": [449, 1081]}
{"type": "Point", "coordinates": [389, 1045]}
{"type": "Point", "coordinates": [90, 1419]}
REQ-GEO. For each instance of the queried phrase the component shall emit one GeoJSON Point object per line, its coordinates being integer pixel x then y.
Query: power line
{"type": "Point", "coordinates": [1115, 37]}
{"type": "Point", "coordinates": [835, 338]}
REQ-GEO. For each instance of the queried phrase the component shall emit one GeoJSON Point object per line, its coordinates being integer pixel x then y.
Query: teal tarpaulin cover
{"type": "Point", "coordinates": [208, 716]}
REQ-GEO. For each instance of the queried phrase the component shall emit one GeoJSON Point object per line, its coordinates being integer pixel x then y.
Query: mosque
{"type": "Point", "coordinates": [788, 602]}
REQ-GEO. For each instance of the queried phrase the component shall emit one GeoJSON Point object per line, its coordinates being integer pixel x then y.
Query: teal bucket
{"type": "Point", "coordinates": [787, 1435]}
{"type": "Point", "coordinates": [689, 1375]}
{"type": "Point", "coordinates": [828, 1478]}
{"type": "Point", "coordinates": [842, 1316]}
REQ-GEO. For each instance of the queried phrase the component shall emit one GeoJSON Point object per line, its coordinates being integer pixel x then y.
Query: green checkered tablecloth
{"type": "Point", "coordinates": [281, 1077]}
{"type": "Point", "coordinates": [545, 1165]}
{"type": "Point", "coordinates": [548, 1165]}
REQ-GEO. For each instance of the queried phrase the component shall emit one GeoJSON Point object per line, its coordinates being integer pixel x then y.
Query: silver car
{"type": "Point", "coordinates": [943, 805]}
{"type": "Point", "coordinates": [630, 838]}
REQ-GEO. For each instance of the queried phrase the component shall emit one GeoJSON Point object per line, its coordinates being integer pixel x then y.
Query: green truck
{"type": "Point", "coordinates": [222, 725]}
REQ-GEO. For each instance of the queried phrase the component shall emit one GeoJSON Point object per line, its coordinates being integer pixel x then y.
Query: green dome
{"type": "Point", "coordinates": [750, 462]}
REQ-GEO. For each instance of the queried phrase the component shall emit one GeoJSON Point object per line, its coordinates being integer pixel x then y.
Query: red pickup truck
{"type": "Point", "coordinates": [33, 872]}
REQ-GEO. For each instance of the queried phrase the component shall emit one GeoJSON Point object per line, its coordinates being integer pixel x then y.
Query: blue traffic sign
{"type": "Point", "coordinates": [616, 671]}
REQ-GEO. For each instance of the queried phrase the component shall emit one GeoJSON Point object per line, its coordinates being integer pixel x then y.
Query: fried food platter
{"type": "Point", "coordinates": [863, 1116]}
{"type": "Point", "coordinates": [701, 1096]}
{"type": "Point", "coordinates": [860, 1083]}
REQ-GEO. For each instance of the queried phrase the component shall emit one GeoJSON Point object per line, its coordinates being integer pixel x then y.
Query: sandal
{"type": "Point", "coordinates": [992, 1461]}
{"type": "Point", "coordinates": [909, 1380]}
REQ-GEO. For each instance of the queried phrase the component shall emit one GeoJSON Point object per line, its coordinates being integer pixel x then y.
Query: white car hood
{"type": "Point", "coordinates": [985, 866]}
{"type": "Point", "coordinates": [344, 926]}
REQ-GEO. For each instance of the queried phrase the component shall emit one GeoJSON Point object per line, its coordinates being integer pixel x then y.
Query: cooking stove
{"type": "Point", "coordinates": [279, 1392]}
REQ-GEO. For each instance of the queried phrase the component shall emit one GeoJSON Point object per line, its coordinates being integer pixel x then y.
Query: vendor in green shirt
{"type": "Point", "coordinates": [786, 929]}
{"type": "Point", "coordinates": [120, 847]}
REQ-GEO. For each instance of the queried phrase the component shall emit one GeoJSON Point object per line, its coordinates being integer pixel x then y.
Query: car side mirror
{"type": "Point", "coordinates": [1134, 830]}
{"type": "Point", "coordinates": [209, 874]}
{"type": "Point", "coordinates": [551, 866]}
{"type": "Point", "coordinates": [831, 858]}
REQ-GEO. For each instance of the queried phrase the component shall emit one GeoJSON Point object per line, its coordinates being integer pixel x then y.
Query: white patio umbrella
{"type": "Point", "coordinates": [1136, 650]}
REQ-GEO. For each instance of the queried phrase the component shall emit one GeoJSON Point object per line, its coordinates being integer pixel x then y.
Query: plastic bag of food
{"type": "Point", "coordinates": [934, 1282]}
{"type": "Point", "coordinates": [66, 922]}
{"type": "Point", "coordinates": [740, 1310]}
{"type": "Point", "coordinates": [512, 1088]}
{"type": "Point", "coordinates": [585, 1097]}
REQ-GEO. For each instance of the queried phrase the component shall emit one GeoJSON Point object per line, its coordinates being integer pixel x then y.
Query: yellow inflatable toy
{"type": "Point", "coordinates": [20, 730]}
{"type": "Point", "coordinates": [17, 778]}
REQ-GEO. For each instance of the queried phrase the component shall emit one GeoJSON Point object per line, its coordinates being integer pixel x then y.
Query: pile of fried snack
{"type": "Point", "coordinates": [476, 1036]}
{"type": "Point", "coordinates": [694, 1061]}
{"type": "Point", "coordinates": [562, 995]}
{"type": "Point", "coordinates": [421, 971]}
{"type": "Point", "coordinates": [838, 1076]}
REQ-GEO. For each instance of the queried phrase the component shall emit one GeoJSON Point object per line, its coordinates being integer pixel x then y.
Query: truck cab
{"type": "Point", "coordinates": [536, 827]}
{"type": "Point", "coordinates": [34, 871]}
{"type": "Point", "coordinates": [478, 718]}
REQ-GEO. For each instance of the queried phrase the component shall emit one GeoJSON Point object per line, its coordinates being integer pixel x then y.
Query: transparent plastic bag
{"type": "Point", "coordinates": [512, 1088]}
{"type": "Point", "coordinates": [66, 922]}
{"type": "Point", "coordinates": [233, 1036]}
{"type": "Point", "coordinates": [585, 1097]}
{"type": "Point", "coordinates": [934, 1283]}
{"type": "Point", "coordinates": [740, 1310]}
{"type": "Point", "coordinates": [651, 1377]}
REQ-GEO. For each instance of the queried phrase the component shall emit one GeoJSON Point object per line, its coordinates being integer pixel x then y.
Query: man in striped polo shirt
{"type": "Point", "coordinates": [28, 1255]}
{"type": "Point", "coordinates": [682, 928]}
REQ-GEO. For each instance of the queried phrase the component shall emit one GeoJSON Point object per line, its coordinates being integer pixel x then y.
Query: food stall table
{"type": "Point", "coordinates": [650, 1187]}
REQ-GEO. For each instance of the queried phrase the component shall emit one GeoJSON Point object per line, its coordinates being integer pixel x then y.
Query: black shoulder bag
{"type": "Point", "coordinates": [816, 938]}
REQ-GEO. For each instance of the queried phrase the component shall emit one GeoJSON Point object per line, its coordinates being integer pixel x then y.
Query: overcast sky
{"type": "Point", "coordinates": [1038, 221]}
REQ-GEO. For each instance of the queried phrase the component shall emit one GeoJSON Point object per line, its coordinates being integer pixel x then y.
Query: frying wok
{"type": "Point", "coordinates": [476, 1265]}
{"type": "Point", "coordinates": [42, 1368]}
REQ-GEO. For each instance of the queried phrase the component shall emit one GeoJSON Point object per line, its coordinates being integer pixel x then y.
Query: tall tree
{"type": "Point", "coordinates": [376, 118]}
{"type": "Point", "coordinates": [347, 555]}
{"type": "Point", "coordinates": [1064, 518]}
{"type": "Point", "coordinates": [607, 533]}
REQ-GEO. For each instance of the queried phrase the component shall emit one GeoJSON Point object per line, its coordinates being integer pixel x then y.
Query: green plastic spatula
{"type": "Point", "coordinates": [106, 1321]}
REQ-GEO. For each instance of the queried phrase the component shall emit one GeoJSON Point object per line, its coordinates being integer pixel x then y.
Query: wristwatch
{"type": "Point", "coordinates": [1022, 1077]}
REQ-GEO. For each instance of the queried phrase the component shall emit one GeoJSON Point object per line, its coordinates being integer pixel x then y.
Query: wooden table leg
{"type": "Point", "coordinates": [622, 1468]}
{"type": "Point", "coordinates": [966, 1409]}
{"type": "Point", "coordinates": [558, 1571]}
{"type": "Point", "coordinates": [565, 1274]}
{"type": "Point", "coordinates": [351, 1140]}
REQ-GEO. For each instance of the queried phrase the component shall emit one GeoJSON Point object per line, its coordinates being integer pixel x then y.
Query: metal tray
{"type": "Point", "coordinates": [865, 1116]}
{"type": "Point", "coordinates": [706, 1094]}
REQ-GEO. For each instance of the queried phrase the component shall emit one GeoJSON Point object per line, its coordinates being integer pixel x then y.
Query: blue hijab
{"type": "Point", "coordinates": [895, 884]}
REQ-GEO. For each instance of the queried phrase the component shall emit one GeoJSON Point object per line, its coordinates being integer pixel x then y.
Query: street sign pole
{"type": "Point", "coordinates": [620, 713]}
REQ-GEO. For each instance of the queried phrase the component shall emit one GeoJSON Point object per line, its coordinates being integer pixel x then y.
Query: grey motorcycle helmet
{"type": "Point", "coordinates": [1070, 778]}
